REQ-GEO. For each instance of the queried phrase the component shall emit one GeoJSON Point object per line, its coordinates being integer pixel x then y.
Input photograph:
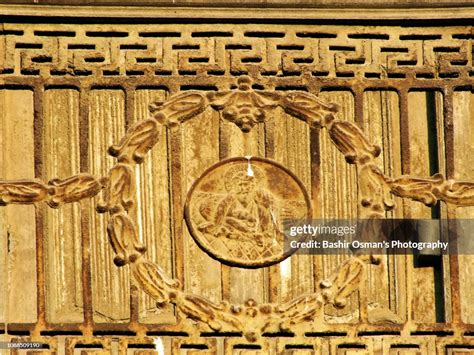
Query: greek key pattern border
{"type": "Point", "coordinates": [376, 52]}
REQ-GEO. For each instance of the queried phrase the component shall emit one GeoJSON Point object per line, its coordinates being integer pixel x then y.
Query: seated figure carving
{"type": "Point", "coordinates": [246, 212]}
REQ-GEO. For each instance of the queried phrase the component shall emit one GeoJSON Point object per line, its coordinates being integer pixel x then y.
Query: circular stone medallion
{"type": "Point", "coordinates": [236, 208]}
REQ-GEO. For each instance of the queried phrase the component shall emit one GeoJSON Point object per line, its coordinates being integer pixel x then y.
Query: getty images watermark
{"type": "Point", "coordinates": [373, 236]}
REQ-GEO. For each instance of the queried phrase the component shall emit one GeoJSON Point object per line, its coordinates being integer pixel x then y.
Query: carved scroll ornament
{"type": "Point", "coordinates": [245, 107]}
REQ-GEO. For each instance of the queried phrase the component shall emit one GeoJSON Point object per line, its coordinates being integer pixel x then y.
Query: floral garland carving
{"type": "Point", "coordinates": [251, 318]}
{"type": "Point", "coordinates": [244, 107]}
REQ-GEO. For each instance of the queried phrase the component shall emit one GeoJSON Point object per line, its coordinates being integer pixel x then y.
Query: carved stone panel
{"type": "Point", "coordinates": [147, 166]}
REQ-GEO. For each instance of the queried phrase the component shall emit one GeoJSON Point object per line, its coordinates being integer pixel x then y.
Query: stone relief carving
{"type": "Point", "coordinates": [375, 190]}
{"type": "Point", "coordinates": [124, 239]}
{"type": "Point", "coordinates": [119, 190]}
{"type": "Point", "coordinates": [244, 107]}
{"type": "Point", "coordinates": [251, 318]}
{"type": "Point", "coordinates": [55, 193]}
{"type": "Point", "coordinates": [235, 210]}
{"type": "Point", "coordinates": [73, 189]}
{"type": "Point", "coordinates": [418, 189]}
{"type": "Point", "coordinates": [351, 141]}
{"type": "Point", "coordinates": [178, 108]}
{"type": "Point", "coordinates": [395, 50]}
{"type": "Point", "coordinates": [459, 193]}
{"type": "Point", "coordinates": [142, 137]}
{"type": "Point", "coordinates": [430, 190]}
{"type": "Point", "coordinates": [309, 108]}
{"type": "Point", "coordinates": [22, 191]}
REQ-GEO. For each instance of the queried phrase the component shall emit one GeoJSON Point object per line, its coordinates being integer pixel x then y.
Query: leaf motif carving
{"type": "Point", "coordinates": [374, 190]}
{"type": "Point", "coordinates": [179, 108]}
{"type": "Point", "coordinates": [459, 193]}
{"type": "Point", "coordinates": [419, 189]}
{"type": "Point", "coordinates": [198, 308]}
{"type": "Point", "coordinates": [22, 191]}
{"type": "Point", "coordinates": [154, 281]}
{"type": "Point", "coordinates": [249, 318]}
{"type": "Point", "coordinates": [119, 190]}
{"type": "Point", "coordinates": [139, 139]}
{"type": "Point", "coordinates": [309, 108]}
{"type": "Point", "coordinates": [344, 282]}
{"type": "Point", "coordinates": [351, 141]}
{"type": "Point", "coordinates": [73, 189]}
{"type": "Point", "coordinates": [298, 310]}
{"type": "Point", "coordinates": [123, 237]}
{"type": "Point", "coordinates": [244, 107]}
